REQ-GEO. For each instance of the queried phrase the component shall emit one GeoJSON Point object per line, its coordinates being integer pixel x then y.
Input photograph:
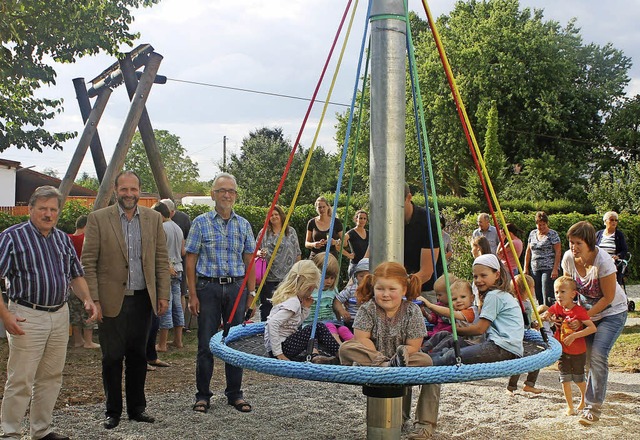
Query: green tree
{"type": "Point", "coordinates": [181, 171]}
{"type": "Point", "coordinates": [494, 159]}
{"type": "Point", "coordinates": [86, 181]}
{"type": "Point", "coordinates": [623, 128]}
{"type": "Point", "coordinates": [550, 89]}
{"type": "Point", "coordinates": [618, 189]}
{"type": "Point", "coordinates": [261, 162]}
{"type": "Point", "coordinates": [32, 31]}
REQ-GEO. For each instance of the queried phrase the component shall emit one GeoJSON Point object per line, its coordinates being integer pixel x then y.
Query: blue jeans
{"type": "Point", "coordinates": [599, 345]}
{"type": "Point", "coordinates": [543, 286]}
{"type": "Point", "coordinates": [174, 316]}
{"type": "Point", "coordinates": [216, 303]}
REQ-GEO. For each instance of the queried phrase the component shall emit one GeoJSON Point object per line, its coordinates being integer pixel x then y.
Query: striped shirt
{"type": "Point", "coordinates": [39, 268]}
{"type": "Point", "coordinates": [220, 244]}
{"type": "Point", "coordinates": [133, 241]}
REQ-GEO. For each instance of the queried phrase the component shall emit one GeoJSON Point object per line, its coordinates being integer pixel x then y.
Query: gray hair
{"type": "Point", "coordinates": [169, 204]}
{"type": "Point", "coordinates": [608, 215]}
{"type": "Point", "coordinates": [484, 216]}
{"type": "Point", "coordinates": [224, 176]}
{"type": "Point", "coordinates": [45, 192]}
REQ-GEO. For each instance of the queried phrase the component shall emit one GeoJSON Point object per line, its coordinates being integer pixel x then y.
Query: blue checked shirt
{"type": "Point", "coordinates": [39, 268]}
{"type": "Point", "coordinates": [220, 244]}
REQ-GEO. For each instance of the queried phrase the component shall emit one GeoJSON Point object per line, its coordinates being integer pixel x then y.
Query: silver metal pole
{"type": "Point", "coordinates": [386, 214]}
{"type": "Point", "coordinates": [388, 91]}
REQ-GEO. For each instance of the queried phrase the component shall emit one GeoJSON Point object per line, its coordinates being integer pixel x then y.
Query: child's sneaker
{"type": "Point", "coordinates": [588, 418]}
{"type": "Point", "coordinates": [401, 358]}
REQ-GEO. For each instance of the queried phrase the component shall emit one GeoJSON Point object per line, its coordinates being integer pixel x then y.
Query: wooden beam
{"type": "Point", "coordinates": [90, 129]}
{"type": "Point", "coordinates": [146, 133]}
{"type": "Point", "coordinates": [138, 103]}
{"type": "Point", "coordinates": [97, 153]}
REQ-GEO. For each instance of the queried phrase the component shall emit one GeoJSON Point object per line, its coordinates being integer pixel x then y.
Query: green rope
{"type": "Point", "coordinates": [354, 151]}
{"type": "Point", "coordinates": [434, 195]}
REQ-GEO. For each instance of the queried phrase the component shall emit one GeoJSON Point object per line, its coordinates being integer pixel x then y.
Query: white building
{"type": "Point", "coordinates": [8, 170]}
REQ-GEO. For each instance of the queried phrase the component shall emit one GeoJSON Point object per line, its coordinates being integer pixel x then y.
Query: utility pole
{"type": "Point", "coordinates": [224, 154]}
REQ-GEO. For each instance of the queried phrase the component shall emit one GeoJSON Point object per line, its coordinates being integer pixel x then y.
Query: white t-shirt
{"type": "Point", "coordinates": [589, 291]}
{"type": "Point", "coordinates": [283, 321]}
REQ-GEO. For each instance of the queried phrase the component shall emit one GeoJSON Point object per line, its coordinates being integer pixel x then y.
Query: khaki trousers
{"type": "Point", "coordinates": [429, 399]}
{"type": "Point", "coordinates": [34, 370]}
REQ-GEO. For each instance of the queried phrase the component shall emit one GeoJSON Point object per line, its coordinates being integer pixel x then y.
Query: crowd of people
{"type": "Point", "coordinates": [127, 270]}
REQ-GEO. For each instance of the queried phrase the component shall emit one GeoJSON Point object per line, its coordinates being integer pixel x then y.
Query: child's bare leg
{"type": "Point", "coordinates": [568, 396]}
{"type": "Point", "coordinates": [177, 337]}
{"type": "Point", "coordinates": [78, 340]}
{"type": "Point", "coordinates": [163, 336]}
{"type": "Point", "coordinates": [583, 389]}
{"type": "Point", "coordinates": [88, 339]}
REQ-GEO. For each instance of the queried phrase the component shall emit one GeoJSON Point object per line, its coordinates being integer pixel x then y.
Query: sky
{"type": "Point", "coordinates": [274, 46]}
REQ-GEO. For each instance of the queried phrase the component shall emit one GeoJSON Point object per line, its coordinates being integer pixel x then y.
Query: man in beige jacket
{"type": "Point", "coordinates": [127, 269]}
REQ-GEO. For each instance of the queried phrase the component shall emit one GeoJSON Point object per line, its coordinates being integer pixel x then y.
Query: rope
{"type": "Point", "coordinates": [476, 154]}
{"type": "Point", "coordinates": [380, 375]}
{"type": "Point", "coordinates": [250, 269]}
{"type": "Point", "coordinates": [334, 210]}
{"type": "Point", "coordinates": [425, 151]}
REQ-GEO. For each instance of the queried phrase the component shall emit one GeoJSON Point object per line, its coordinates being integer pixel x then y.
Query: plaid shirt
{"type": "Point", "coordinates": [220, 244]}
{"type": "Point", "coordinates": [39, 268]}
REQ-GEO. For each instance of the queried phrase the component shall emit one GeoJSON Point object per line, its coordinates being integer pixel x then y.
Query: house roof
{"type": "Point", "coordinates": [28, 180]}
{"type": "Point", "coordinates": [10, 163]}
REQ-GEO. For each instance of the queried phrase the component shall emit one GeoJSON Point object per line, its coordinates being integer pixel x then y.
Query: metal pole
{"type": "Point", "coordinates": [85, 109]}
{"type": "Point", "coordinates": [133, 117]}
{"type": "Point", "coordinates": [388, 89]}
{"type": "Point", "coordinates": [224, 154]}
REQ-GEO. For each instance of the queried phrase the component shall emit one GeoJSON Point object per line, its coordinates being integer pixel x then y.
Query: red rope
{"type": "Point", "coordinates": [287, 167]}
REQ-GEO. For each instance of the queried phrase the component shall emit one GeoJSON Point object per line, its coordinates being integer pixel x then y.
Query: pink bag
{"type": "Point", "coordinates": [261, 268]}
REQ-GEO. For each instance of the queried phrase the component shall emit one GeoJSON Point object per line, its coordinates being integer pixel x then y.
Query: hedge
{"type": "Point", "coordinates": [460, 225]}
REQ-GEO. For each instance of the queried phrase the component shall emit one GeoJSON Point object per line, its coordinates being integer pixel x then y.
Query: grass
{"type": "Point", "coordinates": [625, 355]}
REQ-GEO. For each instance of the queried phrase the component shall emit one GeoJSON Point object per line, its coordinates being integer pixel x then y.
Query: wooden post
{"type": "Point", "coordinates": [90, 129]}
{"type": "Point", "coordinates": [133, 117]}
{"type": "Point", "coordinates": [85, 109]}
{"type": "Point", "coordinates": [146, 133]}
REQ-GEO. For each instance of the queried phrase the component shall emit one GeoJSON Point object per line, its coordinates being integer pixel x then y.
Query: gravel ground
{"type": "Point", "coordinates": [305, 410]}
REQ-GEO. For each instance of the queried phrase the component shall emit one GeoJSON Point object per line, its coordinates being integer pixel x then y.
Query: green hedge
{"type": "Point", "coordinates": [461, 229]}
{"type": "Point", "coordinates": [460, 225]}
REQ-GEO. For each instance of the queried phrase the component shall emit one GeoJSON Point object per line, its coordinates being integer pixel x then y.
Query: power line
{"type": "Point", "coordinates": [258, 92]}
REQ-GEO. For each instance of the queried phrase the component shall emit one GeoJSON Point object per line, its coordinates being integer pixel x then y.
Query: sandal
{"type": "Point", "coordinates": [241, 405]}
{"type": "Point", "coordinates": [201, 406]}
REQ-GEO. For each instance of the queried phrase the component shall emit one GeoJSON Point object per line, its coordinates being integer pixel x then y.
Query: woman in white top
{"type": "Point", "coordinates": [605, 301]}
{"type": "Point", "coordinates": [612, 240]}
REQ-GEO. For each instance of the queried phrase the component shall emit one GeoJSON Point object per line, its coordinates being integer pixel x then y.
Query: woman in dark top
{"type": "Point", "coordinates": [318, 230]}
{"type": "Point", "coordinates": [612, 240]}
{"type": "Point", "coordinates": [358, 239]}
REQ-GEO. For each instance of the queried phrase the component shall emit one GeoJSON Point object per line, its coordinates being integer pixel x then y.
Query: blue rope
{"type": "Point", "coordinates": [340, 175]}
{"type": "Point", "coordinates": [379, 375]}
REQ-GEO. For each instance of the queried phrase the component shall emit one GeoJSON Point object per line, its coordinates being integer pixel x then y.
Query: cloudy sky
{"type": "Point", "coordinates": [275, 46]}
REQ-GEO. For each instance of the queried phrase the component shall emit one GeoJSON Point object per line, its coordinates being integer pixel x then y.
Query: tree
{"type": "Point", "coordinates": [617, 189]}
{"type": "Point", "coordinates": [86, 181]}
{"type": "Point", "coordinates": [550, 89]}
{"type": "Point", "coordinates": [181, 171]}
{"type": "Point", "coordinates": [31, 32]}
{"type": "Point", "coordinates": [623, 129]}
{"type": "Point", "coordinates": [261, 163]}
{"type": "Point", "coordinates": [494, 160]}
{"type": "Point", "coordinates": [50, 172]}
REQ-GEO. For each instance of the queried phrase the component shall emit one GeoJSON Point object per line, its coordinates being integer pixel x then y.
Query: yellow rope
{"type": "Point", "coordinates": [309, 155]}
{"type": "Point", "coordinates": [458, 98]}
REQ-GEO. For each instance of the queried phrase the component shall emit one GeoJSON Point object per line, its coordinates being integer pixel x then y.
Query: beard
{"type": "Point", "coordinates": [128, 202]}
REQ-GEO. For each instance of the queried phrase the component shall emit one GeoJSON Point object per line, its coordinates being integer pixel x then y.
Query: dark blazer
{"type": "Point", "coordinates": [621, 243]}
{"type": "Point", "coordinates": [105, 260]}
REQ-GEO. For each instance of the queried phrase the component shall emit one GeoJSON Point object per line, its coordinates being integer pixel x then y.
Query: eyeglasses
{"type": "Point", "coordinates": [223, 191]}
{"type": "Point", "coordinates": [613, 219]}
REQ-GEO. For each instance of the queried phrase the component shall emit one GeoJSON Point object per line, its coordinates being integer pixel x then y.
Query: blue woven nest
{"type": "Point", "coordinates": [378, 375]}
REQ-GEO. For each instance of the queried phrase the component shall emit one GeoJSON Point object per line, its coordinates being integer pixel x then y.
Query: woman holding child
{"type": "Point", "coordinates": [594, 271]}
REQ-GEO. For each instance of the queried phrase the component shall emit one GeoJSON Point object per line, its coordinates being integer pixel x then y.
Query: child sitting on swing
{"type": "Point", "coordinates": [500, 319]}
{"type": "Point", "coordinates": [388, 328]}
{"type": "Point", "coordinates": [283, 337]}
